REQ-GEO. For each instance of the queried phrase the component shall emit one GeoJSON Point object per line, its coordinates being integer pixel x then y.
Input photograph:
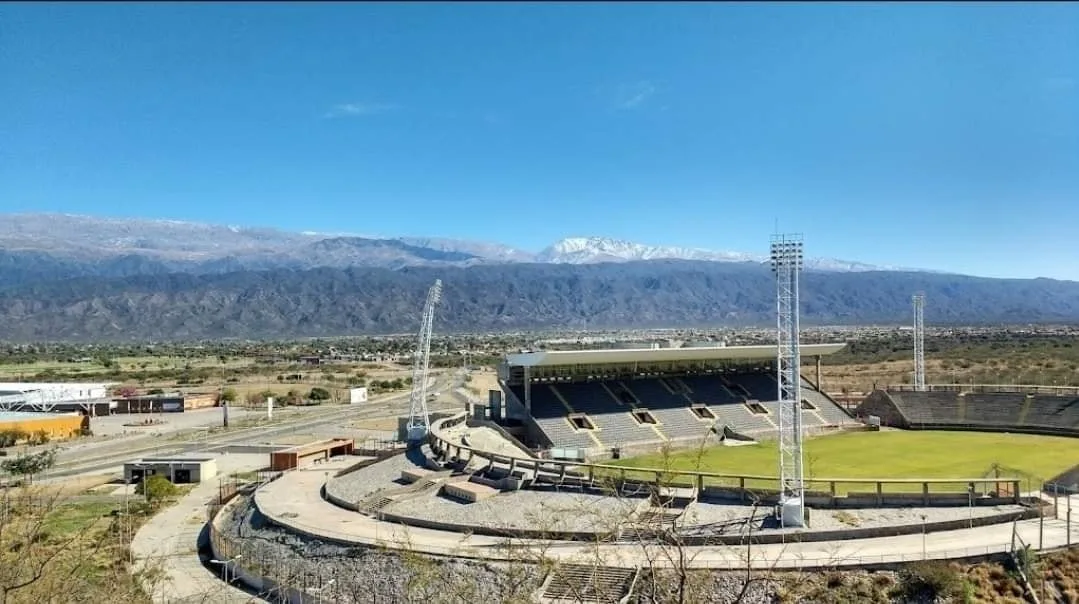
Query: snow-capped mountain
{"type": "Point", "coordinates": [108, 246]}
{"type": "Point", "coordinates": [591, 250]}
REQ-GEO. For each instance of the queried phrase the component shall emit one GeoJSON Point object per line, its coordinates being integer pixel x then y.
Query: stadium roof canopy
{"type": "Point", "coordinates": [558, 358]}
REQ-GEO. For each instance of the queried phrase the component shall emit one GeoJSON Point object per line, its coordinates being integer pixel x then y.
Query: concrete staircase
{"type": "Point", "coordinates": [373, 504]}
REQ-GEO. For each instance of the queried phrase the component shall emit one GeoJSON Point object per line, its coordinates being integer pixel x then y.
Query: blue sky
{"type": "Point", "coordinates": [928, 135]}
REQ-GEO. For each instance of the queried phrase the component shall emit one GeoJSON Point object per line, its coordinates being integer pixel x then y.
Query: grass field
{"type": "Point", "coordinates": [889, 454]}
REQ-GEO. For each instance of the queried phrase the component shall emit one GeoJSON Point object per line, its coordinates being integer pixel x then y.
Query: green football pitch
{"type": "Point", "coordinates": [887, 454]}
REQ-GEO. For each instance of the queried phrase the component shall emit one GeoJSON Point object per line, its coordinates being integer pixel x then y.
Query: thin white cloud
{"type": "Point", "coordinates": [635, 95]}
{"type": "Point", "coordinates": [358, 109]}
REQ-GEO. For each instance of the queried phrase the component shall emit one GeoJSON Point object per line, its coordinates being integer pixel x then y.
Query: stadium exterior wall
{"type": "Point", "coordinates": [58, 427]}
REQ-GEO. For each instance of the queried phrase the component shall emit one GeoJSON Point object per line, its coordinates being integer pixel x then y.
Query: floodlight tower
{"type": "Point", "coordinates": [919, 341]}
{"type": "Point", "coordinates": [418, 418]}
{"type": "Point", "coordinates": [786, 256]}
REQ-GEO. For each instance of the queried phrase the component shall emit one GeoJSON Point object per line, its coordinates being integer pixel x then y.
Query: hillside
{"type": "Point", "coordinates": [659, 293]}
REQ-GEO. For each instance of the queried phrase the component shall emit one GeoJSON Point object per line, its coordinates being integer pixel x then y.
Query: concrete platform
{"type": "Point", "coordinates": [294, 502]}
{"type": "Point", "coordinates": [469, 492]}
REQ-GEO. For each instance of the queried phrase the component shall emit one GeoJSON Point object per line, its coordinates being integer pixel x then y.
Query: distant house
{"type": "Point", "coordinates": [311, 360]}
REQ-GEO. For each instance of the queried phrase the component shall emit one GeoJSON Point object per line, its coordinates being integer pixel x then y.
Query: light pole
{"type": "Point", "coordinates": [925, 555]}
{"type": "Point", "coordinates": [225, 566]}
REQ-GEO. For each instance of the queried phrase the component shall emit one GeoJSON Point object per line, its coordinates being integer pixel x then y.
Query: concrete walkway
{"type": "Point", "coordinates": [294, 501]}
{"type": "Point", "coordinates": [170, 541]}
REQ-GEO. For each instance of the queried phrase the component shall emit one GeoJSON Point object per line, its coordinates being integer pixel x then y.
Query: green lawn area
{"type": "Point", "coordinates": [889, 454]}
{"type": "Point", "coordinates": [70, 518]}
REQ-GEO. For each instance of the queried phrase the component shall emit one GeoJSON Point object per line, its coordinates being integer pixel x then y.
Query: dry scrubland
{"type": "Point", "coordinates": [1001, 358]}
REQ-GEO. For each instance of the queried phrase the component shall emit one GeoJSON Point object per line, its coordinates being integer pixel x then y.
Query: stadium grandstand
{"type": "Point", "coordinates": [591, 404]}
{"type": "Point", "coordinates": [992, 408]}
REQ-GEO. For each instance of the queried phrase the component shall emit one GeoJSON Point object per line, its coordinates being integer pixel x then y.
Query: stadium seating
{"type": "Point", "coordinates": [610, 406]}
{"type": "Point", "coordinates": [995, 409]}
{"type": "Point", "coordinates": [612, 418]}
{"type": "Point", "coordinates": [551, 417]}
{"type": "Point", "coordinates": [827, 409]}
{"type": "Point", "coordinates": [1054, 411]}
{"type": "Point", "coordinates": [544, 401]}
{"type": "Point", "coordinates": [761, 386]}
{"type": "Point", "coordinates": [988, 410]}
{"type": "Point", "coordinates": [710, 390]}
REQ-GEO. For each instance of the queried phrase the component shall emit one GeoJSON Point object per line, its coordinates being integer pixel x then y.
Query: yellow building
{"type": "Point", "coordinates": [59, 426]}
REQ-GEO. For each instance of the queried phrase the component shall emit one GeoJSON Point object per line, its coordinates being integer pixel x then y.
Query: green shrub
{"type": "Point", "coordinates": [931, 580]}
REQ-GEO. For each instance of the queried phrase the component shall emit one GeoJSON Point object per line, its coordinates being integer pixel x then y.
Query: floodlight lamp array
{"type": "Point", "coordinates": [786, 253]}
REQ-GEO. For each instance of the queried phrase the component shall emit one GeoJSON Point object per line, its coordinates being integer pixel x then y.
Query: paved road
{"type": "Point", "coordinates": [294, 500]}
{"type": "Point", "coordinates": [170, 541]}
{"type": "Point", "coordinates": [108, 456]}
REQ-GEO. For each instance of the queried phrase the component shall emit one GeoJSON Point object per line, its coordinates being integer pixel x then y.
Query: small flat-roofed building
{"type": "Point", "coordinates": [314, 452]}
{"type": "Point", "coordinates": [179, 469]}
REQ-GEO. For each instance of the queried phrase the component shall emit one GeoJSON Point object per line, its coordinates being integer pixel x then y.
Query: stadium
{"type": "Point", "coordinates": [603, 455]}
{"type": "Point", "coordinates": [614, 475]}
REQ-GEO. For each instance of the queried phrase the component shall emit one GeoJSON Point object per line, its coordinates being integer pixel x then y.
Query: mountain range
{"type": "Point", "coordinates": [71, 245]}
{"type": "Point", "coordinates": [66, 277]}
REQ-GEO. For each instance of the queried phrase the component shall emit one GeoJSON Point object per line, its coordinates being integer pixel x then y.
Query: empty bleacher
{"type": "Point", "coordinates": [1054, 411]}
{"type": "Point", "coordinates": [761, 386]}
{"type": "Point", "coordinates": [1014, 411]}
{"type": "Point", "coordinates": [552, 417]}
{"type": "Point", "coordinates": [610, 407]}
{"type": "Point", "coordinates": [995, 409]}
{"type": "Point", "coordinates": [709, 389]}
{"type": "Point", "coordinates": [828, 410]}
{"type": "Point", "coordinates": [612, 417]}
{"type": "Point", "coordinates": [673, 411]}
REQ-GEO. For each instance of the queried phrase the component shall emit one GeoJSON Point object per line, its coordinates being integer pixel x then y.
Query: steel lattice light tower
{"type": "Point", "coordinates": [919, 341]}
{"type": "Point", "coordinates": [786, 259]}
{"type": "Point", "coordinates": [418, 418]}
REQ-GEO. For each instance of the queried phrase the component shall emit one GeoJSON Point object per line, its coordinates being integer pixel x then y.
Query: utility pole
{"type": "Point", "coordinates": [919, 341]}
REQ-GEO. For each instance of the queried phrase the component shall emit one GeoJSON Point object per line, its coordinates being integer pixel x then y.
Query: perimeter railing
{"type": "Point", "coordinates": [745, 487]}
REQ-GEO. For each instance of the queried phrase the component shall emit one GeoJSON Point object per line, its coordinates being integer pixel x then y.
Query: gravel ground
{"type": "Point", "coordinates": [524, 509]}
{"type": "Point", "coordinates": [371, 575]}
{"type": "Point", "coordinates": [830, 520]}
{"type": "Point", "coordinates": [580, 512]}
{"type": "Point", "coordinates": [362, 574]}
{"type": "Point", "coordinates": [376, 477]}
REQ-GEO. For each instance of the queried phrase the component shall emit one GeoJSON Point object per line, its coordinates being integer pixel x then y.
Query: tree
{"type": "Point", "coordinates": [228, 395]}
{"type": "Point", "coordinates": [156, 489]}
{"type": "Point", "coordinates": [9, 438]}
{"type": "Point", "coordinates": [319, 394]}
{"type": "Point", "coordinates": [127, 391]}
{"type": "Point", "coordinates": [28, 465]}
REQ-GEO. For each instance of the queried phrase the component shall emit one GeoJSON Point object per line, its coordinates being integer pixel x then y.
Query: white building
{"type": "Point", "coordinates": [63, 391]}
{"type": "Point", "coordinates": [66, 396]}
{"type": "Point", "coordinates": [180, 469]}
{"type": "Point", "coordinates": [357, 395]}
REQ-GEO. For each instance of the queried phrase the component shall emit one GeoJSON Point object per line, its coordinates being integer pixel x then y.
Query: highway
{"type": "Point", "coordinates": [100, 457]}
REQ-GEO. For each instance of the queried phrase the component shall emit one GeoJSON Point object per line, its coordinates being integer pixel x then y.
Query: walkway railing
{"type": "Point", "coordinates": [747, 487]}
